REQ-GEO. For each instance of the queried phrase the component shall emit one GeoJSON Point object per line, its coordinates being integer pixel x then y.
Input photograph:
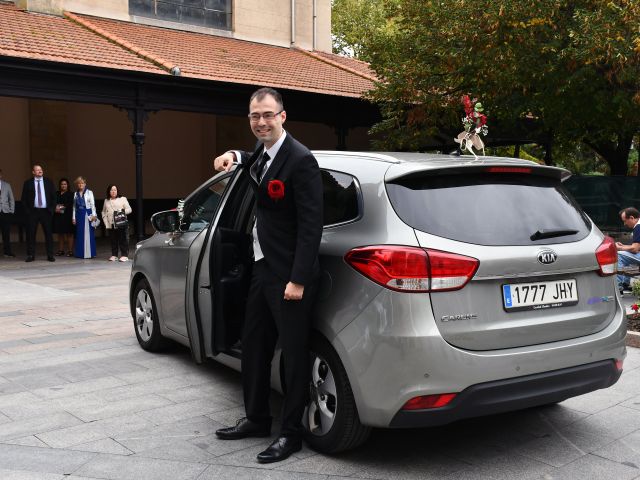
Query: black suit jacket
{"type": "Point", "coordinates": [289, 228]}
{"type": "Point", "coordinates": [29, 195]}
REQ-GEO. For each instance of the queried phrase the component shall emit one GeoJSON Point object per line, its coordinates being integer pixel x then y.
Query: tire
{"type": "Point", "coordinates": [145, 318]}
{"type": "Point", "coordinates": [331, 418]}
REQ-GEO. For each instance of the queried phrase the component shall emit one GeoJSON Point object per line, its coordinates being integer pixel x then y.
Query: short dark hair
{"type": "Point", "coordinates": [108, 196]}
{"type": "Point", "coordinates": [263, 92]}
{"type": "Point", "coordinates": [630, 212]}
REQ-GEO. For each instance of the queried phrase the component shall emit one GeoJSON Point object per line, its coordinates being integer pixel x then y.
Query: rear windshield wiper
{"type": "Point", "coordinates": [540, 234]}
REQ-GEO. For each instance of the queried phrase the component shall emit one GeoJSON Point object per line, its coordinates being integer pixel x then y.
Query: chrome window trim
{"type": "Point", "coordinates": [566, 271]}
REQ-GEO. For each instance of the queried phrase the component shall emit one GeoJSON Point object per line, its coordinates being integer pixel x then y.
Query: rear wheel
{"type": "Point", "coordinates": [145, 318]}
{"type": "Point", "coordinates": [331, 418]}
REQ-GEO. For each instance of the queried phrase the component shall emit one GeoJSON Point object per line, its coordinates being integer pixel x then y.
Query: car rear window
{"type": "Point", "coordinates": [490, 208]}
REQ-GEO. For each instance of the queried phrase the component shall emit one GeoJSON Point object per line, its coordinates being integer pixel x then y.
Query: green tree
{"type": "Point", "coordinates": [355, 22]}
{"type": "Point", "coordinates": [567, 70]}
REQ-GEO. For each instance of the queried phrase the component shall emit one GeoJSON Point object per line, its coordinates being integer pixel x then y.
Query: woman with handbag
{"type": "Point", "coordinates": [114, 215]}
{"type": "Point", "coordinates": [85, 218]}
{"type": "Point", "coordinates": [63, 218]}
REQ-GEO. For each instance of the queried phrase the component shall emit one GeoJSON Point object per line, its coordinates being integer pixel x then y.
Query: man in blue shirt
{"type": "Point", "coordinates": [629, 255]}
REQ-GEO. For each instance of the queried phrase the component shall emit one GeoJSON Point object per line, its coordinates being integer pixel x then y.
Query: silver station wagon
{"type": "Point", "coordinates": [451, 288]}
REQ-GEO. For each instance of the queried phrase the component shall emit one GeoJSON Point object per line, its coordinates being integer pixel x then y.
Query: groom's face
{"type": "Point", "coordinates": [267, 131]}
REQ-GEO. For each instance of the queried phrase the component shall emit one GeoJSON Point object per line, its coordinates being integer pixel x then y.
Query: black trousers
{"type": "Point", "coordinates": [5, 225]}
{"type": "Point", "coordinates": [43, 217]}
{"type": "Point", "coordinates": [270, 317]}
{"type": "Point", "coordinates": [119, 238]}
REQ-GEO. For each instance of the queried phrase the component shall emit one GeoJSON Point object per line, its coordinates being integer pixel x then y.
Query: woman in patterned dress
{"type": "Point", "coordinates": [84, 218]}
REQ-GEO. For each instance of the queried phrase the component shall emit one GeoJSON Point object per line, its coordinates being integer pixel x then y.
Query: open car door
{"type": "Point", "coordinates": [184, 255]}
{"type": "Point", "coordinates": [223, 275]}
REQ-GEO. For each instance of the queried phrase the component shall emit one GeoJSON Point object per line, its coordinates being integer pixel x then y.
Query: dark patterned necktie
{"type": "Point", "coordinates": [262, 162]}
{"type": "Point", "coordinates": [39, 194]}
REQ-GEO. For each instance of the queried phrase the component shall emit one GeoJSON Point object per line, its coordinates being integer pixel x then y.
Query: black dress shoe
{"type": "Point", "coordinates": [51, 258]}
{"type": "Point", "coordinates": [30, 259]}
{"type": "Point", "coordinates": [281, 448]}
{"type": "Point", "coordinates": [244, 428]}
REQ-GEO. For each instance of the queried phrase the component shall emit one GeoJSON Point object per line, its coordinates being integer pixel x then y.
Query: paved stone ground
{"type": "Point", "coordinates": [80, 400]}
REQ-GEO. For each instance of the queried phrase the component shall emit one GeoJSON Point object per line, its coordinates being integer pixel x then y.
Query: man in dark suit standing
{"type": "Point", "coordinates": [38, 201]}
{"type": "Point", "coordinates": [286, 239]}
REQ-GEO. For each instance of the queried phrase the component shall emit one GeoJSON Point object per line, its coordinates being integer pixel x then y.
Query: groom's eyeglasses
{"type": "Point", "coordinates": [268, 116]}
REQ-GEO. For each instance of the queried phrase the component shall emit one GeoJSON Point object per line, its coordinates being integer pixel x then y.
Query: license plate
{"type": "Point", "coordinates": [536, 296]}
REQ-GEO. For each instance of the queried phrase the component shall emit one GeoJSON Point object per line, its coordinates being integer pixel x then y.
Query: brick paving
{"type": "Point", "coordinates": [80, 400]}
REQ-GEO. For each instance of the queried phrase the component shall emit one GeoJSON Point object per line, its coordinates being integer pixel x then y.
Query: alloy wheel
{"type": "Point", "coordinates": [320, 413]}
{"type": "Point", "coordinates": [144, 315]}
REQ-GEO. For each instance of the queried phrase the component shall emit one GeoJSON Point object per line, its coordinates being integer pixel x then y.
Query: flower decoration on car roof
{"type": "Point", "coordinates": [475, 124]}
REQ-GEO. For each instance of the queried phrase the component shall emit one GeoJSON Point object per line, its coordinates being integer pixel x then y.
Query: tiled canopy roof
{"type": "Point", "coordinates": [85, 40]}
{"type": "Point", "coordinates": [45, 37]}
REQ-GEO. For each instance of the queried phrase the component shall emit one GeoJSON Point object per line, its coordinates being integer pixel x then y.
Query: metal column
{"type": "Point", "coordinates": [138, 115]}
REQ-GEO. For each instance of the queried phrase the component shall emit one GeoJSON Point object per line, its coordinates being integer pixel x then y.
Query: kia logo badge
{"type": "Point", "coordinates": [548, 256]}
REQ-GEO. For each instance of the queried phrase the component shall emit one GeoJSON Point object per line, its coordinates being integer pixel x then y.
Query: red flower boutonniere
{"type": "Point", "coordinates": [275, 189]}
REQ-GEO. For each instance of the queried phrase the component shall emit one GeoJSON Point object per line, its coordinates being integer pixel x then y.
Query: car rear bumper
{"type": "Point", "coordinates": [393, 352]}
{"type": "Point", "coordinates": [515, 394]}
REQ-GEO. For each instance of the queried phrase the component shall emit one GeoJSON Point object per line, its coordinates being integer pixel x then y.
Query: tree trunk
{"type": "Point", "coordinates": [546, 141]}
{"type": "Point", "coordinates": [615, 154]}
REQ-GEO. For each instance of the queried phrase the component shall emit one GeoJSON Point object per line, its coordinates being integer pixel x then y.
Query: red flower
{"type": "Point", "coordinates": [635, 307]}
{"type": "Point", "coordinates": [275, 189]}
{"type": "Point", "coordinates": [468, 106]}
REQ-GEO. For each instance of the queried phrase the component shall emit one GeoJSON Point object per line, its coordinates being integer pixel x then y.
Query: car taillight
{"type": "Point", "coordinates": [508, 170]}
{"type": "Point", "coordinates": [607, 256]}
{"type": "Point", "coordinates": [412, 269]}
{"type": "Point", "coordinates": [429, 401]}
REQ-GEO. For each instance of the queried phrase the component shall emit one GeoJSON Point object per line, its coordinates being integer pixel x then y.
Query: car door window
{"type": "Point", "coordinates": [200, 209]}
{"type": "Point", "coordinates": [342, 198]}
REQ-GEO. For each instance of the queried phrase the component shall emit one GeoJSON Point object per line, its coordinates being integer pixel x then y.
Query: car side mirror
{"type": "Point", "coordinates": [166, 222]}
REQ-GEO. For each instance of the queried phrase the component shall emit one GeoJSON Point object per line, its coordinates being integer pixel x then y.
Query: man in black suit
{"type": "Point", "coordinates": [38, 201]}
{"type": "Point", "coordinates": [286, 239]}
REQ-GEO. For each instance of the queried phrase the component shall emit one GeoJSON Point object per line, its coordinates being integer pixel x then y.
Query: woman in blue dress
{"type": "Point", "coordinates": [84, 218]}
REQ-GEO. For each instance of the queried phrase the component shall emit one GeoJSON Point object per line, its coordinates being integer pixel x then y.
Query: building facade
{"type": "Point", "coordinates": [304, 23]}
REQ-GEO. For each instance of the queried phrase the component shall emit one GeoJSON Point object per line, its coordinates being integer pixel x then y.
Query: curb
{"type": "Point", "coordinates": [633, 339]}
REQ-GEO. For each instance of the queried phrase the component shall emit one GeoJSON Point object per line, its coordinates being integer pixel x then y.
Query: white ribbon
{"type": "Point", "coordinates": [469, 141]}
